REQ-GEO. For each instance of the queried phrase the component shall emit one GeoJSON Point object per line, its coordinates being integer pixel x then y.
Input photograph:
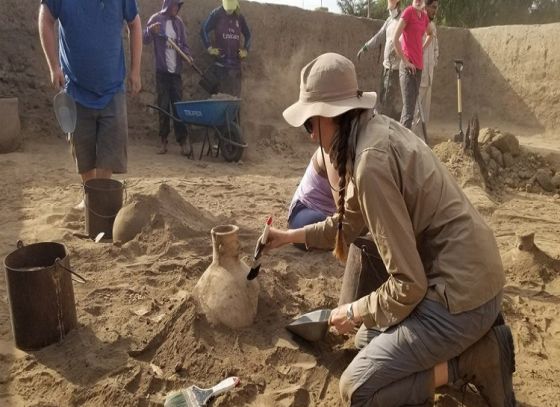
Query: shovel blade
{"type": "Point", "coordinates": [311, 326]}
{"type": "Point", "coordinates": [65, 111]}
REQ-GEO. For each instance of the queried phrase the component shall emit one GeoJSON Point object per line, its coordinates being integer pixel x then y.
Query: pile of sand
{"type": "Point", "coordinates": [158, 216]}
{"type": "Point", "coordinates": [509, 165]}
{"type": "Point", "coordinates": [515, 167]}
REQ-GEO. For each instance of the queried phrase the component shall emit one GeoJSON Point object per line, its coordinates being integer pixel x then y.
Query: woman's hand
{"type": "Point", "coordinates": [410, 66]}
{"type": "Point", "coordinates": [278, 238]}
{"type": "Point", "coordinates": [339, 322]}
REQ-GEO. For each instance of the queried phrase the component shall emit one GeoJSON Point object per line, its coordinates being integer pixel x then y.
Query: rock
{"type": "Point", "coordinates": [525, 174]}
{"type": "Point", "coordinates": [506, 143]}
{"type": "Point", "coordinates": [544, 178]}
{"type": "Point", "coordinates": [508, 160]}
{"type": "Point", "coordinates": [556, 180]}
{"type": "Point", "coordinates": [496, 155]}
{"type": "Point", "coordinates": [493, 166]}
{"type": "Point", "coordinates": [131, 219]}
{"type": "Point", "coordinates": [485, 157]}
{"type": "Point", "coordinates": [10, 139]}
{"type": "Point", "coordinates": [486, 135]}
{"type": "Point", "coordinates": [556, 196]}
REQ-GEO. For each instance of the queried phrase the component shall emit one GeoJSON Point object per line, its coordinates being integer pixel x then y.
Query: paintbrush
{"type": "Point", "coordinates": [194, 396]}
{"type": "Point", "coordinates": [254, 272]}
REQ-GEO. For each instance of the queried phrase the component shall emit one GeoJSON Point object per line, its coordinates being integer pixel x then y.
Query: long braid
{"type": "Point", "coordinates": [340, 158]}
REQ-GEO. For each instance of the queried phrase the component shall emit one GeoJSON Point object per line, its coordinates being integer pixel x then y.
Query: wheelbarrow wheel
{"type": "Point", "coordinates": [231, 152]}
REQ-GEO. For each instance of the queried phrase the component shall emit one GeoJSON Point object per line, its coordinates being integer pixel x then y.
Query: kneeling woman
{"type": "Point", "coordinates": [431, 322]}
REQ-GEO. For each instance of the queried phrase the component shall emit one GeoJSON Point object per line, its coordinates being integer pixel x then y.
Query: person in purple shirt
{"type": "Point", "coordinates": [169, 85]}
{"type": "Point", "coordinates": [314, 199]}
{"type": "Point", "coordinates": [228, 24]}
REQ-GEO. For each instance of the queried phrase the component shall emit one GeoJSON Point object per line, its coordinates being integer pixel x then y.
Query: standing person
{"type": "Point", "coordinates": [430, 322]}
{"type": "Point", "coordinates": [431, 55]}
{"type": "Point", "coordinates": [228, 24]}
{"type": "Point", "coordinates": [90, 65]}
{"type": "Point", "coordinates": [169, 85]}
{"type": "Point", "coordinates": [414, 23]}
{"type": "Point", "coordinates": [390, 103]}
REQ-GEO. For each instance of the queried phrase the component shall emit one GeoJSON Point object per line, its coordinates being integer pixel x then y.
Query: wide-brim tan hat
{"type": "Point", "coordinates": [328, 88]}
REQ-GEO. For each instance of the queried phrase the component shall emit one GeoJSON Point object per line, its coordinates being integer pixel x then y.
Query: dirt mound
{"type": "Point", "coordinates": [528, 264]}
{"type": "Point", "coordinates": [513, 166]}
{"type": "Point", "coordinates": [158, 216]}
{"type": "Point", "coordinates": [509, 166]}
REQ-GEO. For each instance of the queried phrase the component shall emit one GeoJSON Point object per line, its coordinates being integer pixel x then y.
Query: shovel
{"type": "Point", "coordinates": [65, 112]}
{"type": "Point", "coordinates": [194, 396]}
{"type": "Point", "coordinates": [459, 137]}
{"type": "Point", "coordinates": [312, 326]}
{"type": "Point", "coordinates": [208, 82]}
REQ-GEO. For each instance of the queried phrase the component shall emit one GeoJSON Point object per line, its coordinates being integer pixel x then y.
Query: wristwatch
{"type": "Point", "coordinates": [350, 313]}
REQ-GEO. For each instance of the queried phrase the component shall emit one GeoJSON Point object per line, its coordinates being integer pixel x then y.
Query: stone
{"type": "Point", "coordinates": [544, 179]}
{"type": "Point", "coordinates": [506, 143]}
{"type": "Point", "coordinates": [508, 160]}
{"type": "Point", "coordinates": [496, 155]}
{"type": "Point", "coordinates": [556, 180]}
{"type": "Point", "coordinates": [10, 138]}
{"type": "Point", "coordinates": [486, 135]}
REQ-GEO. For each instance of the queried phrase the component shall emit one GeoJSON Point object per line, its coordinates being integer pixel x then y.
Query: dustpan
{"type": "Point", "coordinates": [311, 326]}
{"type": "Point", "coordinates": [65, 111]}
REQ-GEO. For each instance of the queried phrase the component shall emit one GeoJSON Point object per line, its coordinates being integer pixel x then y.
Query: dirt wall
{"type": "Point", "coordinates": [512, 74]}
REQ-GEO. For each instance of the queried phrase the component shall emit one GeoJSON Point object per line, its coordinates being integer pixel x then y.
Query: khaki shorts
{"type": "Point", "coordinates": [100, 138]}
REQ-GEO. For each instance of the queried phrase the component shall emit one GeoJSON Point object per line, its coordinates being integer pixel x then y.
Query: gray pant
{"type": "Point", "coordinates": [395, 367]}
{"type": "Point", "coordinates": [100, 138]}
{"type": "Point", "coordinates": [410, 87]}
{"type": "Point", "coordinates": [390, 94]}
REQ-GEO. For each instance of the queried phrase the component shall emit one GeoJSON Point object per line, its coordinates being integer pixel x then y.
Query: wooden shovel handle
{"type": "Point", "coordinates": [183, 55]}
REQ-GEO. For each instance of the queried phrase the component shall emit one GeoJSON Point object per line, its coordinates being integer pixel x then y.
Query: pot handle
{"type": "Point", "coordinates": [79, 278]}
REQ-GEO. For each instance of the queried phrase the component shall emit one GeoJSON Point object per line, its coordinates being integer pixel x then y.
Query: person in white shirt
{"type": "Point", "coordinates": [389, 103]}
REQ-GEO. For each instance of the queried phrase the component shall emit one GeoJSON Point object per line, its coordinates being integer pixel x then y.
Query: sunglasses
{"type": "Point", "coordinates": [308, 126]}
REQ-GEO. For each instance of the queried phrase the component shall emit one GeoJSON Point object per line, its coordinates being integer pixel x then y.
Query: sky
{"type": "Point", "coordinates": [308, 4]}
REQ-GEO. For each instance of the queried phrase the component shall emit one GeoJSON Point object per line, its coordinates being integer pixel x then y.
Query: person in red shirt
{"type": "Point", "coordinates": [409, 45]}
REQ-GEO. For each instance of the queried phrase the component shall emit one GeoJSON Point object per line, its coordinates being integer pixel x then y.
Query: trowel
{"type": "Point", "coordinates": [65, 112]}
{"type": "Point", "coordinates": [66, 115]}
{"type": "Point", "coordinates": [311, 326]}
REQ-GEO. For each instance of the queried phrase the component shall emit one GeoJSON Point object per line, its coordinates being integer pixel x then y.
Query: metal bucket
{"type": "Point", "coordinates": [103, 200]}
{"type": "Point", "coordinates": [40, 293]}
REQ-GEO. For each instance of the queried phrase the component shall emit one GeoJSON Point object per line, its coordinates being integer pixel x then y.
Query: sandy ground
{"type": "Point", "coordinates": [136, 313]}
{"type": "Point", "coordinates": [136, 308]}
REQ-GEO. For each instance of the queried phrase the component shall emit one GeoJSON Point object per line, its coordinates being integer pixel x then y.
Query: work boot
{"type": "Point", "coordinates": [489, 365]}
{"type": "Point", "coordinates": [163, 147]}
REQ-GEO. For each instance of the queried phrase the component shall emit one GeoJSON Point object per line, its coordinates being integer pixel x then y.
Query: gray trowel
{"type": "Point", "coordinates": [65, 112]}
{"type": "Point", "coordinates": [312, 326]}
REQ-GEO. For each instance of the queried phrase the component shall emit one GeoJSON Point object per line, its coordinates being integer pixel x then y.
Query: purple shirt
{"type": "Point", "coordinates": [314, 191]}
{"type": "Point", "coordinates": [160, 42]}
{"type": "Point", "coordinates": [227, 35]}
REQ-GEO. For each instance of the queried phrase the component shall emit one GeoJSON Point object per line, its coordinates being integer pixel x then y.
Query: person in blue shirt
{"type": "Point", "coordinates": [228, 24]}
{"type": "Point", "coordinates": [90, 66]}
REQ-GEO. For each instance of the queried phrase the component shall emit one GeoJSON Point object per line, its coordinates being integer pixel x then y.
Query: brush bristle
{"type": "Point", "coordinates": [175, 399]}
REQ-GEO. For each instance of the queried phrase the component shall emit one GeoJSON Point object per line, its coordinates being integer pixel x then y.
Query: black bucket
{"type": "Point", "coordinates": [40, 294]}
{"type": "Point", "coordinates": [103, 200]}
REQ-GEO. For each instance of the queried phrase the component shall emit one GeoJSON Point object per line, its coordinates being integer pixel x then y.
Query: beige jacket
{"type": "Point", "coordinates": [432, 240]}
